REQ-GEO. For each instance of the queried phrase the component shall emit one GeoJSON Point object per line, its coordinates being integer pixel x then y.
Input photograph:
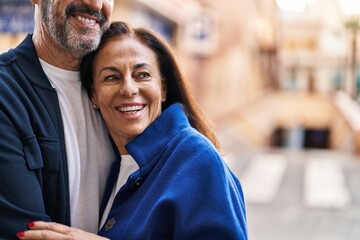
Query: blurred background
{"type": "Point", "coordinates": [281, 82]}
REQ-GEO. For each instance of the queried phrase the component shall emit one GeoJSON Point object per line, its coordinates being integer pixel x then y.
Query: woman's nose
{"type": "Point", "coordinates": [128, 88]}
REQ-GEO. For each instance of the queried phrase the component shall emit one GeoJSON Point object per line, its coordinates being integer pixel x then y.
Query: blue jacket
{"type": "Point", "coordinates": [183, 189]}
{"type": "Point", "coordinates": [33, 167]}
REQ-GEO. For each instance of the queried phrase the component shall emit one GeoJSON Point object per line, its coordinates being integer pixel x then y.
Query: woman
{"type": "Point", "coordinates": [170, 181]}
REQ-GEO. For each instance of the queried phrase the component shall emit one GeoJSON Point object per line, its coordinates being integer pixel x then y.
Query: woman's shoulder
{"type": "Point", "coordinates": [191, 144]}
{"type": "Point", "coordinates": [195, 139]}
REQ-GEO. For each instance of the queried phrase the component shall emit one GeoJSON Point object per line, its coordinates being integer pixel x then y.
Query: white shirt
{"type": "Point", "coordinates": [127, 167]}
{"type": "Point", "coordinates": [88, 149]}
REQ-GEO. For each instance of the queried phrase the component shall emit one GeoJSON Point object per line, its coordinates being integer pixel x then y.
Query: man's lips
{"type": "Point", "coordinates": [85, 19]}
{"type": "Point", "coordinates": [85, 14]}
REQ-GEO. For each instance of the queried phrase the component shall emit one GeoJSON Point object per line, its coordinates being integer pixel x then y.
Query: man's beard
{"type": "Point", "coordinates": [81, 40]}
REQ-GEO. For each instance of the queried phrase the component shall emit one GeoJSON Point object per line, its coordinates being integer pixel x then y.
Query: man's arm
{"type": "Point", "coordinates": [21, 196]}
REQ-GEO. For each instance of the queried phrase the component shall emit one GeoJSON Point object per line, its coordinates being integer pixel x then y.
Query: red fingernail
{"type": "Point", "coordinates": [20, 234]}
{"type": "Point", "coordinates": [30, 224]}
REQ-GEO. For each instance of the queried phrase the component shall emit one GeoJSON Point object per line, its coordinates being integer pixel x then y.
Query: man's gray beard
{"type": "Point", "coordinates": [71, 40]}
{"type": "Point", "coordinates": [67, 37]}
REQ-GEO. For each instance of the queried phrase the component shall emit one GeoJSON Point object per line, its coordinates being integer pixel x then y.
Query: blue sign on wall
{"type": "Point", "coordinates": [16, 16]}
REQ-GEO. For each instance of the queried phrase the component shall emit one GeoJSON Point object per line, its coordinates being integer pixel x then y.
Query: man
{"type": "Point", "coordinates": [54, 150]}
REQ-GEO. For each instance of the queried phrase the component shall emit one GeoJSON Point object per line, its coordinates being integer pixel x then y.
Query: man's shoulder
{"type": "Point", "coordinates": [23, 50]}
{"type": "Point", "coordinates": [7, 58]}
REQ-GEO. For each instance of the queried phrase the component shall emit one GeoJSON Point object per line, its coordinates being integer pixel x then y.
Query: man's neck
{"type": "Point", "coordinates": [49, 51]}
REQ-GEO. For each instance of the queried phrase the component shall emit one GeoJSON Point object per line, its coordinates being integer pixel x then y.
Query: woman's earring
{"type": "Point", "coordinates": [95, 106]}
{"type": "Point", "coordinates": [164, 99]}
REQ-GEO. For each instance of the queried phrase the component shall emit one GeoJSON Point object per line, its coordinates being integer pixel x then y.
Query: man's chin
{"type": "Point", "coordinates": [85, 43]}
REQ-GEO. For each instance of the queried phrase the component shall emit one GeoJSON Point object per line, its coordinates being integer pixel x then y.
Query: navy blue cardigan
{"type": "Point", "coordinates": [33, 167]}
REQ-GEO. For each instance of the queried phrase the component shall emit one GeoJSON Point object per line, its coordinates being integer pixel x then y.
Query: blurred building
{"type": "Point", "coordinates": [318, 58]}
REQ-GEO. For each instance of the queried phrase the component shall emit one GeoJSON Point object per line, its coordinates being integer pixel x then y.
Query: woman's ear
{"type": "Point", "coordinates": [163, 90]}
{"type": "Point", "coordinates": [34, 1]}
{"type": "Point", "coordinates": [94, 101]}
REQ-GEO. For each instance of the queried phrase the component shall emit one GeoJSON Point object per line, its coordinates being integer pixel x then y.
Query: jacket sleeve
{"type": "Point", "coordinates": [21, 199]}
{"type": "Point", "coordinates": [33, 180]}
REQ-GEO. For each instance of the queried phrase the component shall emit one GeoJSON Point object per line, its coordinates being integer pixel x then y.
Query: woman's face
{"type": "Point", "coordinates": [127, 88]}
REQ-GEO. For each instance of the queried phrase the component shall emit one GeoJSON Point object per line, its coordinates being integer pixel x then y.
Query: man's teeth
{"type": "Point", "coordinates": [130, 108]}
{"type": "Point", "coordinates": [86, 20]}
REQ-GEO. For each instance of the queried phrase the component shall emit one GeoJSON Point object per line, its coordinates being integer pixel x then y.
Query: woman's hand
{"type": "Point", "coordinates": [51, 230]}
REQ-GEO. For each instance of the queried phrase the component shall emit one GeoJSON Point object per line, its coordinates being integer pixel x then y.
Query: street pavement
{"type": "Point", "coordinates": [295, 195]}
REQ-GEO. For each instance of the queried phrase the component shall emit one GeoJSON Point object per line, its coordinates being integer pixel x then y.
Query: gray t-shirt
{"type": "Point", "coordinates": [88, 149]}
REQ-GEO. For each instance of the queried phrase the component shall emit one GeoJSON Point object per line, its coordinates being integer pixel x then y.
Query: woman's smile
{"type": "Point", "coordinates": [130, 111]}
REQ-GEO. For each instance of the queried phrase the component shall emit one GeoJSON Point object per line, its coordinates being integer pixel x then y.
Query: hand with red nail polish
{"type": "Point", "coordinates": [20, 234]}
{"type": "Point", "coordinates": [51, 230]}
{"type": "Point", "coordinates": [31, 224]}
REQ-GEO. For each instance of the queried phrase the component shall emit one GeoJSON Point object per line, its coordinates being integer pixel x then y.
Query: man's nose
{"type": "Point", "coordinates": [94, 4]}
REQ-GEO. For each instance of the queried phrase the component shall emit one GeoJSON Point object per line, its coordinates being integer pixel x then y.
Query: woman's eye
{"type": "Point", "coordinates": [144, 75]}
{"type": "Point", "coordinates": [111, 78]}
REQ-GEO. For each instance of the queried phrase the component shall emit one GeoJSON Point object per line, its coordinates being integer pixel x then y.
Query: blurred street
{"type": "Point", "coordinates": [294, 194]}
